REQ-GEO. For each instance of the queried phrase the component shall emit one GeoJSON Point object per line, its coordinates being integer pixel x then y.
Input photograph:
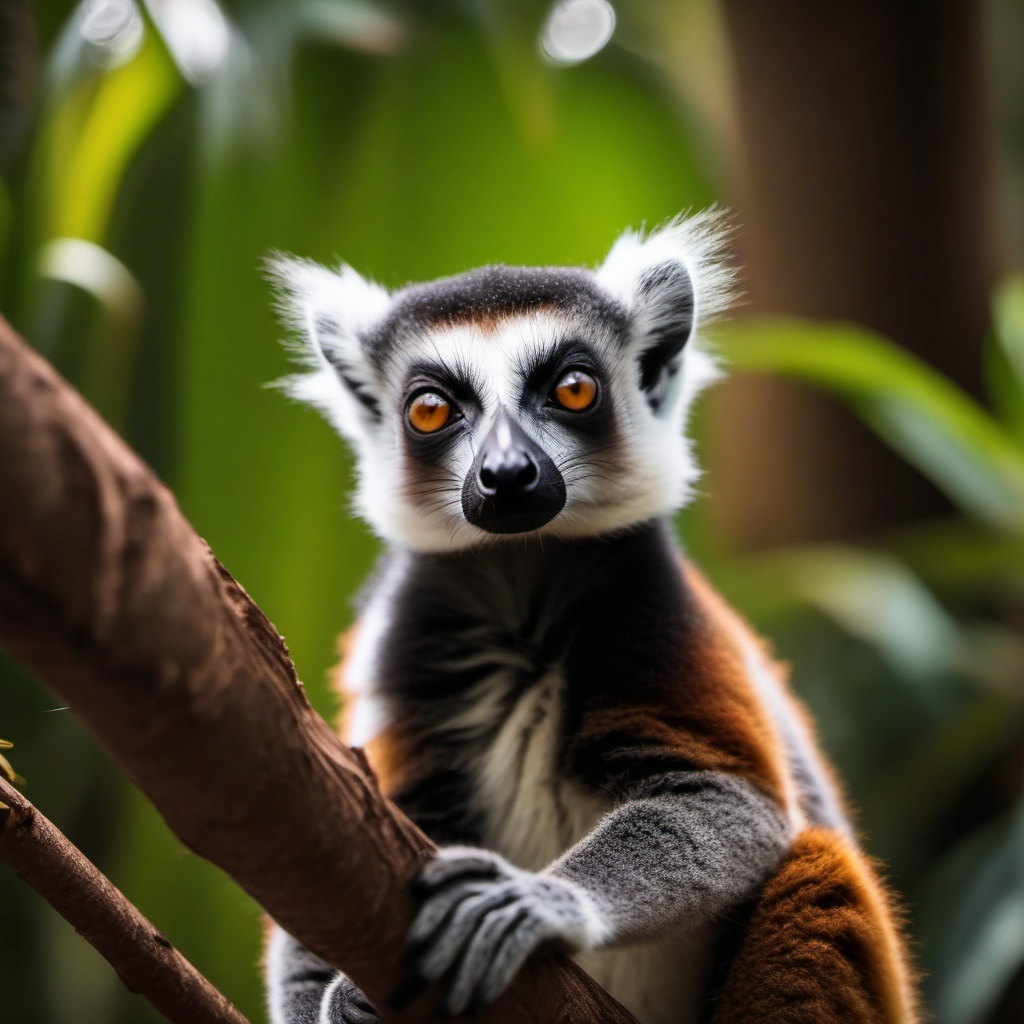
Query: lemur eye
{"type": "Point", "coordinates": [429, 412]}
{"type": "Point", "coordinates": [576, 391]}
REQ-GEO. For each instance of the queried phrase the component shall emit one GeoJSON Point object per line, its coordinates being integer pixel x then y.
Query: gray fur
{"type": "Point", "coordinates": [304, 989]}
{"type": "Point", "coordinates": [665, 862]}
{"type": "Point", "coordinates": [343, 1003]}
{"type": "Point", "coordinates": [672, 861]}
{"type": "Point", "coordinates": [660, 864]}
{"type": "Point", "coordinates": [297, 981]}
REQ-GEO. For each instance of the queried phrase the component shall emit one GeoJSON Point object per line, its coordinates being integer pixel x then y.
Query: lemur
{"type": "Point", "coordinates": [608, 757]}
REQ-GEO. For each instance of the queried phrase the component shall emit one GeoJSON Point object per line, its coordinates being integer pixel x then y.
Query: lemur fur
{"type": "Point", "coordinates": [609, 758]}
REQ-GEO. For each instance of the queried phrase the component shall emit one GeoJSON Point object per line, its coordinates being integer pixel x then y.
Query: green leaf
{"type": "Point", "coordinates": [869, 594]}
{"type": "Point", "coordinates": [349, 23]}
{"type": "Point", "coordinates": [925, 417]}
{"type": "Point", "coordinates": [975, 928]}
{"type": "Point", "coordinates": [93, 131]}
{"type": "Point", "coordinates": [1008, 318]}
{"type": "Point", "coordinates": [961, 558]}
{"type": "Point", "coordinates": [1005, 358]}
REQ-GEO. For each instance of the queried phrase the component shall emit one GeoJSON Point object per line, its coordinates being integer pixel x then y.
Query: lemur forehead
{"type": "Point", "coordinates": [486, 295]}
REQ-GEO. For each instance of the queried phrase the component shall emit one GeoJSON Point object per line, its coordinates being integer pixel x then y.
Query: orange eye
{"type": "Point", "coordinates": [429, 412]}
{"type": "Point", "coordinates": [576, 391]}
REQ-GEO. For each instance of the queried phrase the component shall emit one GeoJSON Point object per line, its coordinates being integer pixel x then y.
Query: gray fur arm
{"type": "Point", "coordinates": [690, 845]}
{"type": "Point", "coordinates": [303, 989]}
{"type": "Point", "coordinates": [699, 844]}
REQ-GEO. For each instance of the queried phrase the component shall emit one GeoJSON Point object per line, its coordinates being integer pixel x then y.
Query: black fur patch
{"type": "Point", "coordinates": [492, 292]}
{"type": "Point", "coordinates": [615, 612]}
{"type": "Point", "coordinates": [671, 330]}
{"type": "Point", "coordinates": [327, 328]}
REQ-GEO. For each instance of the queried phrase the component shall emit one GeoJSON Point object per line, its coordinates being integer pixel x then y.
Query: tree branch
{"type": "Point", "coordinates": [44, 858]}
{"type": "Point", "coordinates": [109, 595]}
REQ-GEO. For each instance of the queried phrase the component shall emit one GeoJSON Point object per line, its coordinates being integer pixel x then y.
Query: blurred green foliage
{"type": "Point", "coordinates": [166, 158]}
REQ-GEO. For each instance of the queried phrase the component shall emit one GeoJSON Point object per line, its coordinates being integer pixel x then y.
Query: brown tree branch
{"type": "Point", "coordinates": [108, 594]}
{"type": "Point", "coordinates": [44, 858]}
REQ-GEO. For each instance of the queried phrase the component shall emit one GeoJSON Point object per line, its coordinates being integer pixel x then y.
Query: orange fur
{"type": "Point", "coordinates": [390, 751]}
{"type": "Point", "coordinates": [712, 719]}
{"type": "Point", "coordinates": [731, 622]}
{"type": "Point", "coordinates": [820, 946]}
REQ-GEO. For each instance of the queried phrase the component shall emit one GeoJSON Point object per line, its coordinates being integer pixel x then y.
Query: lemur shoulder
{"type": "Point", "coordinates": [609, 758]}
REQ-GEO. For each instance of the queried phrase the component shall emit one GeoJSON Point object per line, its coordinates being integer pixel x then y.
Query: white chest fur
{"type": "Point", "coordinates": [658, 982]}
{"type": "Point", "coordinates": [532, 812]}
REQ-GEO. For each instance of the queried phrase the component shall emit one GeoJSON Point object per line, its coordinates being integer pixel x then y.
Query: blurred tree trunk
{"type": "Point", "coordinates": [864, 193]}
{"type": "Point", "coordinates": [19, 73]}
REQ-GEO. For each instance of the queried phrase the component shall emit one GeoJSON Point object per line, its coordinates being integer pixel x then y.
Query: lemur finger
{"type": "Point", "coordinates": [435, 956]}
{"type": "Point", "coordinates": [438, 909]}
{"type": "Point", "coordinates": [452, 864]}
{"type": "Point", "coordinates": [488, 957]}
{"type": "Point", "coordinates": [511, 948]}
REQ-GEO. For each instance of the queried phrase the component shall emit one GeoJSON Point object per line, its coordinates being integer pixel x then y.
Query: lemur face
{"type": "Point", "coordinates": [513, 401]}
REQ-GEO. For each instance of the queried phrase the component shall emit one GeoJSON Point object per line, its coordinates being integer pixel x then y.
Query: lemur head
{"type": "Point", "coordinates": [515, 400]}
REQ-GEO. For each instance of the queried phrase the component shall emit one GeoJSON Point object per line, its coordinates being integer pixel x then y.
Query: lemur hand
{"type": "Point", "coordinates": [481, 917]}
{"type": "Point", "coordinates": [343, 1003]}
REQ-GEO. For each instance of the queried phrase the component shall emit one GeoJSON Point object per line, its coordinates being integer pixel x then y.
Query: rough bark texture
{"type": "Point", "coordinates": [108, 594]}
{"type": "Point", "coordinates": [864, 193]}
{"type": "Point", "coordinates": [43, 857]}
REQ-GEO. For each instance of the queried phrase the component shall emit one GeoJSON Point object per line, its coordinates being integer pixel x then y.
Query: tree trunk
{"type": "Point", "coordinates": [865, 194]}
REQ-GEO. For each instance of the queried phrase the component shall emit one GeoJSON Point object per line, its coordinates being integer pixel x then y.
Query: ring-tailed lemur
{"type": "Point", "coordinates": [609, 758]}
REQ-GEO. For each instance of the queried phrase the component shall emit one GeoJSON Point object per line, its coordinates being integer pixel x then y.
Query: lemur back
{"type": "Point", "coordinates": [609, 758]}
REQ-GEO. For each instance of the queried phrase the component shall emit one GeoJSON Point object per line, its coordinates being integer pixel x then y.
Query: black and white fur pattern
{"type": "Point", "coordinates": [494, 652]}
{"type": "Point", "coordinates": [360, 344]}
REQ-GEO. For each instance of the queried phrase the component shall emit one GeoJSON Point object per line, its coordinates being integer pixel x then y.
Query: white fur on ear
{"type": "Point", "coordinates": [639, 273]}
{"type": "Point", "coordinates": [698, 242]}
{"type": "Point", "coordinates": [332, 311]}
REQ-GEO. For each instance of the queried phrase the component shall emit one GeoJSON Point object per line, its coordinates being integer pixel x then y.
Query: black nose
{"type": "Point", "coordinates": [513, 487]}
{"type": "Point", "coordinates": [506, 471]}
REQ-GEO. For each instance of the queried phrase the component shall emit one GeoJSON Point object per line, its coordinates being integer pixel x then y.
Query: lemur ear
{"type": "Point", "coordinates": [668, 281]}
{"type": "Point", "coordinates": [332, 312]}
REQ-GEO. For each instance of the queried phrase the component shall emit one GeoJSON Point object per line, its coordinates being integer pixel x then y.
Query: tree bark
{"type": "Point", "coordinates": [45, 859]}
{"type": "Point", "coordinates": [865, 193]}
{"type": "Point", "coordinates": [110, 596]}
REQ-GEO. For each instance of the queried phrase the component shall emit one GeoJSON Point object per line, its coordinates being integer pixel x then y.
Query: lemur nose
{"type": "Point", "coordinates": [508, 465]}
{"type": "Point", "coordinates": [507, 470]}
{"type": "Point", "coordinates": [513, 487]}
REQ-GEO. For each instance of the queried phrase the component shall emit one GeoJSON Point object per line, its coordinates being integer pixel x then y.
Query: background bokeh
{"type": "Point", "coordinates": [864, 495]}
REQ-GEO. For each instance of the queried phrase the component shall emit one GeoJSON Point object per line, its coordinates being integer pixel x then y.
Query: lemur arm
{"type": "Point", "coordinates": [699, 843]}
{"type": "Point", "coordinates": [692, 845]}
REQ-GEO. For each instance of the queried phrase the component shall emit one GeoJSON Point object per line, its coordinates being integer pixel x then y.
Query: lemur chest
{"type": "Point", "coordinates": [529, 809]}
{"type": "Point", "coordinates": [482, 759]}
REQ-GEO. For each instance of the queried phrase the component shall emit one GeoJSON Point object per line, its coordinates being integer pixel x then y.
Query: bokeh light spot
{"type": "Point", "coordinates": [577, 29]}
